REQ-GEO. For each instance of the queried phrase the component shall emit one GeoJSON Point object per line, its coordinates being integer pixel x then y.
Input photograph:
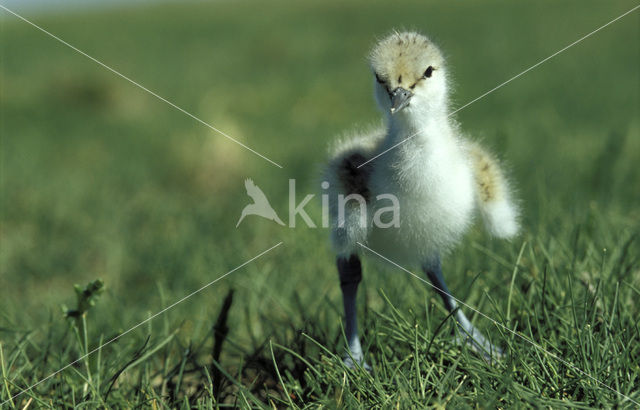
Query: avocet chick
{"type": "Point", "coordinates": [438, 177]}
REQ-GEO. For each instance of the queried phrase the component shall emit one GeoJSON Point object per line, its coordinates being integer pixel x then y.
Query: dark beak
{"type": "Point", "coordinates": [399, 99]}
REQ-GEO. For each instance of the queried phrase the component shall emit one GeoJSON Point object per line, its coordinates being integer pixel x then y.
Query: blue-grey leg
{"type": "Point", "coordinates": [350, 271]}
{"type": "Point", "coordinates": [468, 333]}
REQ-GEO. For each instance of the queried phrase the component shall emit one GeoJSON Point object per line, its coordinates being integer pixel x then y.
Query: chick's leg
{"type": "Point", "coordinates": [350, 271]}
{"type": "Point", "coordinates": [468, 333]}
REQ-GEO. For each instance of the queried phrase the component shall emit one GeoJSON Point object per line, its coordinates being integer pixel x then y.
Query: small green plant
{"type": "Point", "coordinates": [86, 299]}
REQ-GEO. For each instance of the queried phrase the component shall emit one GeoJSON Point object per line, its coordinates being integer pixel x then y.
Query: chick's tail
{"type": "Point", "coordinates": [493, 195]}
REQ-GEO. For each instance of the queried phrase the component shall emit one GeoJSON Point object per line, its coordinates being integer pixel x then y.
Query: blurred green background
{"type": "Point", "coordinates": [102, 180]}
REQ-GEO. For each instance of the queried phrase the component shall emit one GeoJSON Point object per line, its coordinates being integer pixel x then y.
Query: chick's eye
{"type": "Point", "coordinates": [428, 72]}
{"type": "Point", "coordinates": [379, 79]}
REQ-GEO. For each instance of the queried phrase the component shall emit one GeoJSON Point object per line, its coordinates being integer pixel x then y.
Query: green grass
{"type": "Point", "coordinates": [101, 180]}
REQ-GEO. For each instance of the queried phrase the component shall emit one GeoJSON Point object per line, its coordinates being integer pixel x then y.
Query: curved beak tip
{"type": "Point", "coordinates": [399, 99]}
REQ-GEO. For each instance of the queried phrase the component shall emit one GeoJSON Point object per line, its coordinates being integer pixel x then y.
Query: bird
{"type": "Point", "coordinates": [260, 205]}
{"type": "Point", "coordinates": [440, 177]}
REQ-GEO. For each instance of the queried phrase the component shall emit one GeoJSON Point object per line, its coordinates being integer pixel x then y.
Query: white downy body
{"type": "Point", "coordinates": [438, 176]}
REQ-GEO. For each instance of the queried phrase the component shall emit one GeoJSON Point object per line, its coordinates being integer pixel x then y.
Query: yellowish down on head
{"type": "Point", "coordinates": [403, 59]}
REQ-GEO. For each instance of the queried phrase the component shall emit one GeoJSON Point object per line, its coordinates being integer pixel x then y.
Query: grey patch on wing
{"type": "Point", "coordinates": [355, 180]}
